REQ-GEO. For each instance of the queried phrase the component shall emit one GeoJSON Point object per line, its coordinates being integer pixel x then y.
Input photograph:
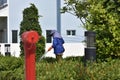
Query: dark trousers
{"type": "Point", "coordinates": [59, 57]}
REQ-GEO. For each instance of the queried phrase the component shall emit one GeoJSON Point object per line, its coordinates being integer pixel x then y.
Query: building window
{"type": "Point", "coordinates": [2, 2]}
{"type": "Point", "coordinates": [14, 36]}
{"type": "Point", "coordinates": [71, 32]}
{"type": "Point", "coordinates": [48, 38]}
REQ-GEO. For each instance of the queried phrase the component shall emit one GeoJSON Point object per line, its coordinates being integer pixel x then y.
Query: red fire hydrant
{"type": "Point", "coordinates": [29, 39]}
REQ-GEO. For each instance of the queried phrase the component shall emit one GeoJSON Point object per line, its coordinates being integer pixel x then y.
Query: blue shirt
{"type": "Point", "coordinates": [58, 45]}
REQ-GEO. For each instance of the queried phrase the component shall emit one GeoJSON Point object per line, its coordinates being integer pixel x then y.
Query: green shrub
{"type": "Point", "coordinates": [31, 22]}
{"type": "Point", "coordinates": [99, 71]}
{"type": "Point", "coordinates": [71, 68]}
{"type": "Point", "coordinates": [74, 69]}
{"type": "Point", "coordinates": [11, 68]}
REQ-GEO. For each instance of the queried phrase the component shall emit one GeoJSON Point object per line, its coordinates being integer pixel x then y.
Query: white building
{"type": "Point", "coordinates": [11, 16]}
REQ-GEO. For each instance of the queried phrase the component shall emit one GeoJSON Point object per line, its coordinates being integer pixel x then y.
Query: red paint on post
{"type": "Point", "coordinates": [29, 39]}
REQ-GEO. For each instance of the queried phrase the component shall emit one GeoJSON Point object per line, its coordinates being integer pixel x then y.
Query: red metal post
{"type": "Point", "coordinates": [29, 39]}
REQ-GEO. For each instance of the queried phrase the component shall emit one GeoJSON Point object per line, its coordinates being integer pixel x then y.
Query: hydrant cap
{"type": "Point", "coordinates": [30, 37]}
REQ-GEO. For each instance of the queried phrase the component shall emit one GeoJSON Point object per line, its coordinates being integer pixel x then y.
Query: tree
{"type": "Point", "coordinates": [103, 17]}
{"type": "Point", "coordinates": [77, 8]}
{"type": "Point", "coordinates": [30, 22]}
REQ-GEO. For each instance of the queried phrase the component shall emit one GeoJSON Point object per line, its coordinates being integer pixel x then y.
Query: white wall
{"type": "Point", "coordinates": [4, 11]}
{"type": "Point", "coordinates": [71, 49]}
{"type": "Point", "coordinates": [14, 48]}
{"type": "Point", "coordinates": [48, 19]}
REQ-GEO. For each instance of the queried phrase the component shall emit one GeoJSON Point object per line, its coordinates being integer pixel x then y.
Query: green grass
{"type": "Point", "coordinates": [71, 68]}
